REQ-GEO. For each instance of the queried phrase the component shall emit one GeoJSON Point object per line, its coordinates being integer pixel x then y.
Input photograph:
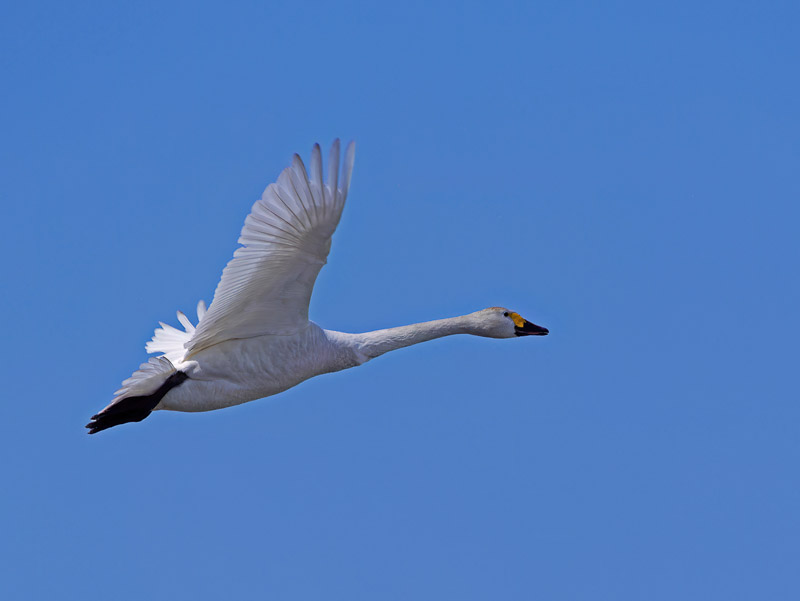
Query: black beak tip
{"type": "Point", "coordinates": [531, 329]}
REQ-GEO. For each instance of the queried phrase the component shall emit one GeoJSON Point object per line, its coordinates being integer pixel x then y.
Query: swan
{"type": "Point", "coordinates": [255, 340]}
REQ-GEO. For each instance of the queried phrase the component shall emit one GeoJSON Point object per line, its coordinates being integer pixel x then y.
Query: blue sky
{"type": "Point", "coordinates": [623, 173]}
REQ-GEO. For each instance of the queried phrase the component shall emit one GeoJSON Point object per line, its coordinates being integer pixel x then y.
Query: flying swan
{"type": "Point", "coordinates": [256, 340]}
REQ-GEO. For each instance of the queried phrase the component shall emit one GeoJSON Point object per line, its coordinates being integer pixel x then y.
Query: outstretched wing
{"type": "Point", "coordinates": [266, 287]}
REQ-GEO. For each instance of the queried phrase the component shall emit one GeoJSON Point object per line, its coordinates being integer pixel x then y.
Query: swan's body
{"type": "Point", "coordinates": [237, 371]}
{"type": "Point", "coordinates": [255, 340]}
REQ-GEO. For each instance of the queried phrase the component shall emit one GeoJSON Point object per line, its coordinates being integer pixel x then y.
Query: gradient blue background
{"type": "Point", "coordinates": [624, 174]}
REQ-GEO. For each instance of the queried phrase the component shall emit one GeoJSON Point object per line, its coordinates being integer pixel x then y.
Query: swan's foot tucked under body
{"type": "Point", "coordinates": [133, 408]}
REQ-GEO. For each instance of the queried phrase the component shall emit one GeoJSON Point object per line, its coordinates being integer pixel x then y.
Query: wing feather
{"type": "Point", "coordinates": [266, 287]}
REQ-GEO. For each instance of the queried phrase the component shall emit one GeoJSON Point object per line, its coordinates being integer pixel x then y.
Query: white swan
{"type": "Point", "coordinates": [255, 340]}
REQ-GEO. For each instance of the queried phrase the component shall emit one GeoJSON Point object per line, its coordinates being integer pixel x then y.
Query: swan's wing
{"type": "Point", "coordinates": [266, 287]}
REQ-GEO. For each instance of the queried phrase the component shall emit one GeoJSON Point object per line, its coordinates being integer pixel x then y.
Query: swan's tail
{"type": "Point", "coordinates": [171, 341]}
{"type": "Point", "coordinates": [144, 390]}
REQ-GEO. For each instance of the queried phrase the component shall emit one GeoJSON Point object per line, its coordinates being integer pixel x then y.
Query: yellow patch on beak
{"type": "Point", "coordinates": [515, 317]}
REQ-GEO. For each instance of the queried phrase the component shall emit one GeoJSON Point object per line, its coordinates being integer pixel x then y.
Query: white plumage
{"type": "Point", "coordinates": [255, 339]}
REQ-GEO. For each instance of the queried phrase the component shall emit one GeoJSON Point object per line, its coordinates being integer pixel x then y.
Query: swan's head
{"type": "Point", "coordinates": [498, 322]}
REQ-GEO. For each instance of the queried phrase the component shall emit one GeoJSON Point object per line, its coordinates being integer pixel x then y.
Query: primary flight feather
{"type": "Point", "coordinates": [256, 340]}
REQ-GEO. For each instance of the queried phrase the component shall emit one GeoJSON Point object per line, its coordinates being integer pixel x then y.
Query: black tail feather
{"type": "Point", "coordinates": [133, 408]}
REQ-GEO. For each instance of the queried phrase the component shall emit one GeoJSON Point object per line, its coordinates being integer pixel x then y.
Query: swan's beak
{"type": "Point", "coordinates": [530, 329]}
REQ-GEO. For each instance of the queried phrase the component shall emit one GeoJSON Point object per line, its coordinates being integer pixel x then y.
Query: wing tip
{"type": "Point", "coordinates": [347, 168]}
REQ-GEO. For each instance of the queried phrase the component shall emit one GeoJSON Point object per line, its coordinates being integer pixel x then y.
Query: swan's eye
{"type": "Point", "coordinates": [505, 314]}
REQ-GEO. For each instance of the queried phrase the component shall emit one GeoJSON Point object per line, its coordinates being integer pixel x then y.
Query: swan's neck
{"type": "Point", "coordinates": [374, 344]}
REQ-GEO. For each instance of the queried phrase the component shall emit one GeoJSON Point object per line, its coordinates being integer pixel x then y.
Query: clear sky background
{"type": "Point", "coordinates": [623, 173]}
